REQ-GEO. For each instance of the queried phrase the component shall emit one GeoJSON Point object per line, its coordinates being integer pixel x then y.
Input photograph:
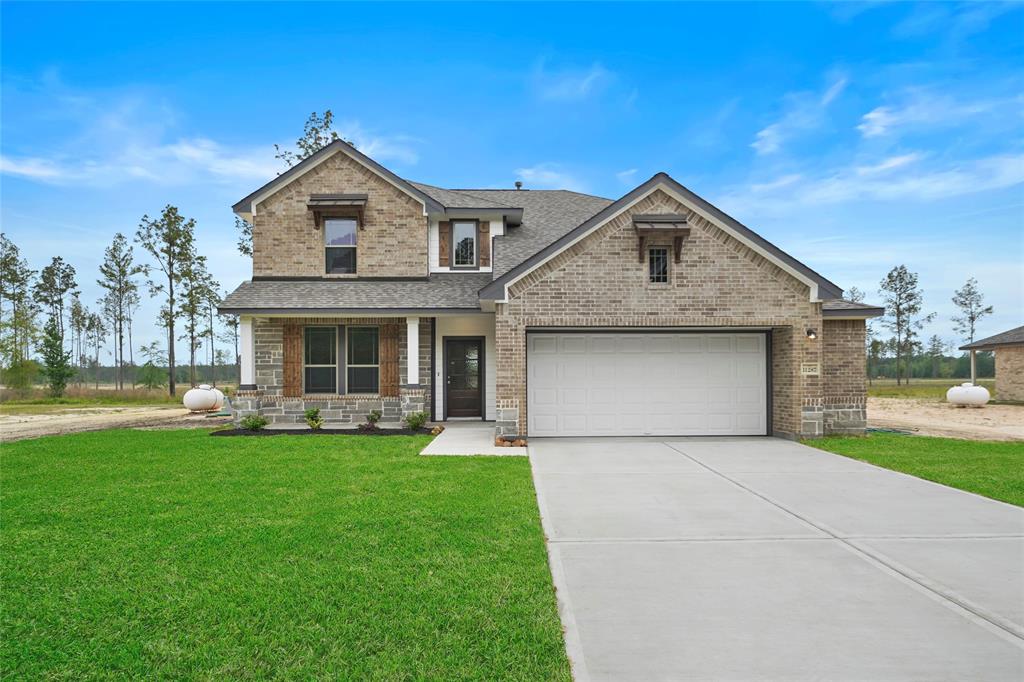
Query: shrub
{"type": "Point", "coordinates": [254, 422]}
{"type": "Point", "coordinates": [371, 421]}
{"type": "Point", "coordinates": [416, 420]}
{"type": "Point", "coordinates": [313, 418]}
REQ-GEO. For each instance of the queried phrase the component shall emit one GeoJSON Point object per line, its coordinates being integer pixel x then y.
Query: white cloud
{"type": "Point", "coordinates": [804, 111]}
{"type": "Point", "coordinates": [897, 178]}
{"type": "Point", "coordinates": [549, 176]}
{"type": "Point", "coordinates": [383, 148]}
{"type": "Point", "coordinates": [571, 84]}
{"type": "Point", "coordinates": [920, 109]}
{"type": "Point", "coordinates": [627, 177]}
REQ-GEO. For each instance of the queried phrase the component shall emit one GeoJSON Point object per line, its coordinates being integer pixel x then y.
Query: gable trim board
{"type": "Point", "coordinates": [246, 208]}
{"type": "Point", "coordinates": [820, 287]}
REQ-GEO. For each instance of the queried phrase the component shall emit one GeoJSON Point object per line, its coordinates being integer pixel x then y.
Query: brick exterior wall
{"type": "Point", "coordinates": [269, 400]}
{"type": "Point", "coordinates": [392, 240]}
{"type": "Point", "coordinates": [1010, 372]}
{"type": "Point", "coordinates": [844, 370]}
{"type": "Point", "coordinates": [601, 282]}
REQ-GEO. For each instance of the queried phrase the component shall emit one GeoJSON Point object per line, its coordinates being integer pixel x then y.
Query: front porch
{"type": "Point", "coordinates": [348, 366]}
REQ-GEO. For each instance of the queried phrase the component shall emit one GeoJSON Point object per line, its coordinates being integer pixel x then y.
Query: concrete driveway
{"type": "Point", "coordinates": [763, 559]}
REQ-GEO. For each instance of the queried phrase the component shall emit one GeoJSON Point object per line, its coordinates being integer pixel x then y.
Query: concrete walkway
{"type": "Point", "coordinates": [763, 559]}
{"type": "Point", "coordinates": [468, 438]}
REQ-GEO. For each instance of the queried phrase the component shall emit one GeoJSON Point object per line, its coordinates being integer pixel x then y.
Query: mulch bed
{"type": "Point", "coordinates": [321, 432]}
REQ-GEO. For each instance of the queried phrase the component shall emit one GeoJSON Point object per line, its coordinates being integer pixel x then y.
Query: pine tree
{"type": "Point", "coordinates": [903, 300]}
{"type": "Point", "coordinates": [57, 367]}
{"type": "Point", "coordinates": [118, 270]}
{"type": "Point", "coordinates": [971, 303]}
{"type": "Point", "coordinates": [56, 283]}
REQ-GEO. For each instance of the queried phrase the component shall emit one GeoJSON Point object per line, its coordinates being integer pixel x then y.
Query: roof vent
{"type": "Point", "coordinates": [519, 184]}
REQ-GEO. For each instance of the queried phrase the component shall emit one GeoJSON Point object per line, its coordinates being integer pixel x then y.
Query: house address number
{"type": "Point", "coordinates": [810, 369]}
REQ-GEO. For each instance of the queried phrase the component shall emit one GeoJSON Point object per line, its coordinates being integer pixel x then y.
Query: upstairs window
{"type": "Point", "coordinates": [320, 366]}
{"type": "Point", "coordinates": [363, 360]}
{"type": "Point", "coordinates": [657, 265]}
{"type": "Point", "coordinates": [340, 245]}
{"type": "Point", "coordinates": [464, 244]}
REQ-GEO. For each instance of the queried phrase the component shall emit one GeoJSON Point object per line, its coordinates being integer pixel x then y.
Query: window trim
{"type": "Point", "coordinates": [348, 346]}
{"type": "Point", "coordinates": [476, 244]}
{"type": "Point", "coordinates": [305, 348]}
{"type": "Point", "coordinates": [650, 269]}
{"type": "Point", "coordinates": [342, 215]}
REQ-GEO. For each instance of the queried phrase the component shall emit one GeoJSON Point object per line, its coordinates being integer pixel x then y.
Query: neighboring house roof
{"type": "Point", "coordinates": [435, 293]}
{"type": "Point", "coordinates": [496, 289]}
{"type": "Point", "coordinates": [838, 307]}
{"type": "Point", "coordinates": [1008, 338]}
{"type": "Point", "coordinates": [246, 206]}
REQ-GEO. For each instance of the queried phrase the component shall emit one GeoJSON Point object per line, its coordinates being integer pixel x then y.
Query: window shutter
{"type": "Point", "coordinates": [485, 243]}
{"type": "Point", "coordinates": [389, 360]}
{"type": "Point", "coordinates": [444, 233]}
{"type": "Point", "coordinates": [292, 360]}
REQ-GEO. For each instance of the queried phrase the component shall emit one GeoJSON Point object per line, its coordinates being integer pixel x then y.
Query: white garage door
{"type": "Point", "coordinates": [658, 384]}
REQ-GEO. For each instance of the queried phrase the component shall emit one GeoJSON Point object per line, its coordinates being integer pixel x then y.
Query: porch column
{"type": "Point", "coordinates": [412, 346]}
{"type": "Point", "coordinates": [247, 351]}
{"type": "Point", "coordinates": [974, 368]}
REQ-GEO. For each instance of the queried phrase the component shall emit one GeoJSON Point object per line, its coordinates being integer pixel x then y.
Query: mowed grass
{"type": "Point", "coordinates": [172, 554]}
{"type": "Point", "coordinates": [926, 389]}
{"type": "Point", "coordinates": [991, 468]}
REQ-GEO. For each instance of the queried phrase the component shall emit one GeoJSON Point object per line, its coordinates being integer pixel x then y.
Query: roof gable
{"type": "Point", "coordinates": [819, 286]}
{"type": "Point", "coordinates": [247, 207]}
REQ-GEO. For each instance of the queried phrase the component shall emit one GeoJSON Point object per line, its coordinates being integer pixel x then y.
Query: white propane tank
{"type": "Point", "coordinates": [200, 399]}
{"type": "Point", "coordinates": [967, 394]}
{"type": "Point", "coordinates": [220, 398]}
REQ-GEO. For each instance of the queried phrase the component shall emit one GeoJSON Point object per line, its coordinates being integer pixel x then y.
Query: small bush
{"type": "Point", "coordinates": [254, 422]}
{"type": "Point", "coordinates": [313, 418]}
{"type": "Point", "coordinates": [371, 421]}
{"type": "Point", "coordinates": [416, 420]}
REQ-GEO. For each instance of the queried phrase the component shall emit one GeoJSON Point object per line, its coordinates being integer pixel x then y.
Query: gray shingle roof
{"type": "Point", "coordinates": [440, 291]}
{"type": "Point", "coordinates": [839, 307]}
{"type": "Point", "coordinates": [459, 198]}
{"type": "Point", "coordinates": [547, 215]}
{"type": "Point", "coordinates": [1010, 337]}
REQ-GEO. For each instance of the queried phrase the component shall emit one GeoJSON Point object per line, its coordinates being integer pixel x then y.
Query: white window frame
{"type": "Point", "coordinates": [475, 225]}
{"type": "Point", "coordinates": [355, 253]}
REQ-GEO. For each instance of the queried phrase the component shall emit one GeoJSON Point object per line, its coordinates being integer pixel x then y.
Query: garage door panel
{"type": "Point", "coordinates": [646, 384]}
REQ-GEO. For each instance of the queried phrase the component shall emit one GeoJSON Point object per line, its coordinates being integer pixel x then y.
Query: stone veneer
{"type": "Point", "coordinates": [1010, 372]}
{"type": "Point", "coordinates": [391, 242]}
{"type": "Point", "coordinates": [600, 282]}
{"type": "Point", "coordinates": [268, 400]}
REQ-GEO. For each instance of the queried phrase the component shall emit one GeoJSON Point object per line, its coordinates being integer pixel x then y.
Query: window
{"type": "Point", "coordinates": [321, 360]}
{"type": "Point", "coordinates": [340, 245]}
{"type": "Point", "coordinates": [363, 360]}
{"type": "Point", "coordinates": [657, 262]}
{"type": "Point", "coordinates": [464, 243]}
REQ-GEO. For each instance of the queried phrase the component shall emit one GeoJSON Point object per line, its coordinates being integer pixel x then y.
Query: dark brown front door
{"type": "Point", "coordinates": [464, 377]}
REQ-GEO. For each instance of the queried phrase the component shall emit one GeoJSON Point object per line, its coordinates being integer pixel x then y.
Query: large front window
{"type": "Point", "coordinates": [321, 360]}
{"type": "Point", "coordinates": [340, 245]}
{"type": "Point", "coordinates": [464, 243]}
{"type": "Point", "coordinates": [363, 360]}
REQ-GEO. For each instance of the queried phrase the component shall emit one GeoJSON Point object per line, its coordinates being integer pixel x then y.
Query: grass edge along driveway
{"type": "Point", "coordinates": [994, 469]}
{"type": "Point", "coordinates": [174, 554]}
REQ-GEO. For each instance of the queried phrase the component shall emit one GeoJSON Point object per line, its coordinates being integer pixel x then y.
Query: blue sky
{"type": "Point", "coordinates": [855, 136]}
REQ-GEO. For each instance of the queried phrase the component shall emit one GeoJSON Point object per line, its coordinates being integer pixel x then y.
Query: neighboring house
{"type": "Point", "coordinates": [1009, 352]}
{"type": "Point", "coordinates": [550, 312]}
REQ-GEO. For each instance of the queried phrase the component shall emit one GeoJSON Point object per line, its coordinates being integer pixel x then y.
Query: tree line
{"type": "Point", "coordinates": [48, 332]}
{"type": "Point", "coordinates": [904, 354]}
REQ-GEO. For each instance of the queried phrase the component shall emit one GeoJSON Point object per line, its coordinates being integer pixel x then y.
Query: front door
{"type": "Point", "coordinates": [464, 380]}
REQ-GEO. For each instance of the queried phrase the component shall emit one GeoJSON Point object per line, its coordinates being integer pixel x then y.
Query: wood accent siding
{"type": "Point", "coordinates": [292, 348]}
{"type": "Point", "coordinates": [484, 241]}
{"type": "Point", "coordinates": [389, 379]}
{"type": "Point", "coordinates": [444, 242]}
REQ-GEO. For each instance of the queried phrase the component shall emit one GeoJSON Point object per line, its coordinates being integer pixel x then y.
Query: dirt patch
{"type": "Point", "coordinates": [933, 418]}
{"type": "Point", "coordinates": [73, 420]}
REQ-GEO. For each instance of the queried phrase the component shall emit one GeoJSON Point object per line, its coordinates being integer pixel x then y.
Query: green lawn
{"type": "Point", "coordinates": [991, 468]}
{"type": "Point", "coordinates": [927, 389]}
{"type": "Point", "coordinates": [171, 554]}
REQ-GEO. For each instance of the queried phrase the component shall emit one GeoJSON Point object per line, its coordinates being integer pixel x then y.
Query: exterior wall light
{"type": "Point", "coordinates": [812, 334]}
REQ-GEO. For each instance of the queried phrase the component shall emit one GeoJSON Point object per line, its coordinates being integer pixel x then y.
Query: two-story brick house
{"type": "Point", "coordinates": [549, 312]}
